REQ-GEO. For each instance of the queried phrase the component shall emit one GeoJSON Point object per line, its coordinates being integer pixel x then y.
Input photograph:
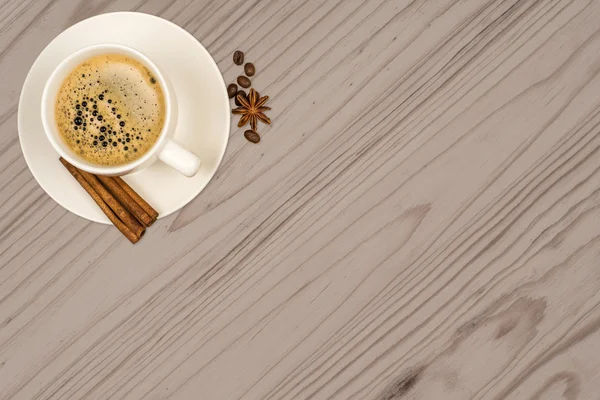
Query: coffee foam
{"type": "Point", "coordinates": [110, 110]}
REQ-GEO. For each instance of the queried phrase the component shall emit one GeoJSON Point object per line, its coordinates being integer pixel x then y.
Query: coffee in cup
{"type": "Point", "coordinates": [110, 110]}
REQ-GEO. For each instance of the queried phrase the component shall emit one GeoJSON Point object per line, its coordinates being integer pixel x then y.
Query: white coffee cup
{"type": "Point", "coordinates": [165, 149]}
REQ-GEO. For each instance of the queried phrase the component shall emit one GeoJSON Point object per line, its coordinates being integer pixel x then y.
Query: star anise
{"type": "Point", "coordinates": [252, 109]}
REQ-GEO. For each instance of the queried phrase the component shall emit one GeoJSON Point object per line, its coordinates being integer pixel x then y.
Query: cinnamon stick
{"type": "Point", "coordinates": [132, 233]}
{"type": "Point", "coordinates": [126, 200]}
{"type": "Point", "coordinates": [128, 219]}
{"type": "Point", "coordinates": [138, 199]}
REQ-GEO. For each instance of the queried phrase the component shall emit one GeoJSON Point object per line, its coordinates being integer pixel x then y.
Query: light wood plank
{"type": "Point", "coordinates": [419, 222]}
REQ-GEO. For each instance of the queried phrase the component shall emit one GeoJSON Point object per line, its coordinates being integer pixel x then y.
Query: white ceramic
{"type": "Point", "coordinates": [202, 103]}
{"type": "Point", "coordinates": [165, 148]}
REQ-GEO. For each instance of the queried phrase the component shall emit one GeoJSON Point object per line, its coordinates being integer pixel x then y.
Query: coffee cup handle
{"type": "Point", "coordinates": [176, 156]}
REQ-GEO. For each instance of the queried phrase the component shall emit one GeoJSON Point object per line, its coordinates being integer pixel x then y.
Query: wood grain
{"type": "Point", "coordinates": [421, 221]}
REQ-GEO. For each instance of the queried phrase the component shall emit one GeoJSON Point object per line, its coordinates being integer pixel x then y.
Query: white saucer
{"type": "Point", "coordinates": [204, 113]}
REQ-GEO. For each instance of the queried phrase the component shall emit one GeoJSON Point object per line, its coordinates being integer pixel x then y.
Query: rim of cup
{"type": "Point", "coordinates": [56, 80]}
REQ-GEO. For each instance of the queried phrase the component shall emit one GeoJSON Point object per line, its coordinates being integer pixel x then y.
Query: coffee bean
{"type": "Point", "coordinates": [252, 136]}
{"type": "Point", "coordinates": [249, 69]}
{"type": "Point", "coordinates": [244, 82]}
{"type": "Point", "coordinates": [232, 90]}
{"type": "Point", "coordinates": [237, 103]}
{"type": "Point", "coordinates": [238, 57]}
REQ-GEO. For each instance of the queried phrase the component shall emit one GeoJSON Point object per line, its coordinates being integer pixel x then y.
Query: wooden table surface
{"type": "Point", "coordinates": [421, 221]}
